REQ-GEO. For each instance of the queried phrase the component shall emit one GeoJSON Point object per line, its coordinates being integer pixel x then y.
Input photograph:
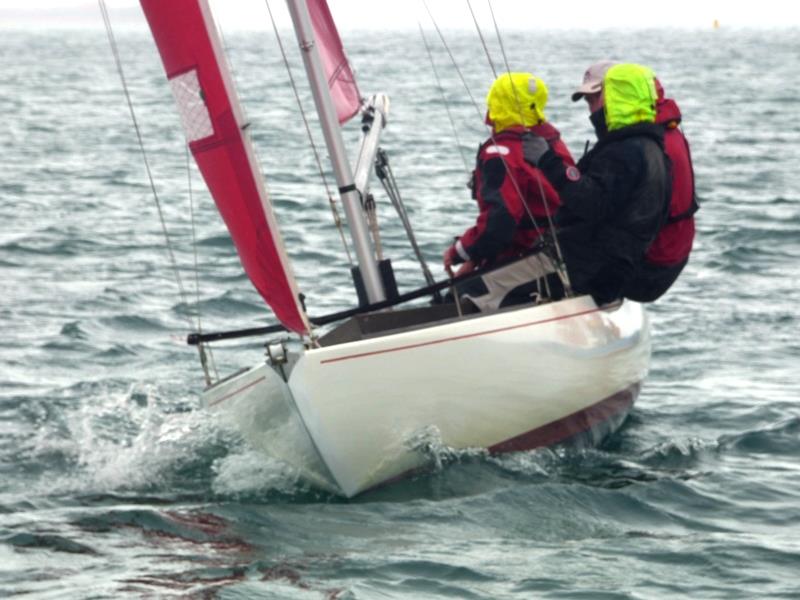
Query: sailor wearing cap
{"type": "Point", "coordinates": [613, 209]}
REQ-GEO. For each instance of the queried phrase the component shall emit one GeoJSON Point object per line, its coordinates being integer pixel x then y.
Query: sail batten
{"type": "Point", "coordinates": [195, 65]}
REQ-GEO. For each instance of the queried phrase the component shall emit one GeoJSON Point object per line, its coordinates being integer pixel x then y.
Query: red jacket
{"type": "Point", "coordinates": [674, 241]}
{"type": "Point", "coordinates": [501, 182]}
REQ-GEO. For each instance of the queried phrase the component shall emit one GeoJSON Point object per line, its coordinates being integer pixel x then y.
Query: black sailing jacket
{"type": "Point", "coordinates": [612, 213]}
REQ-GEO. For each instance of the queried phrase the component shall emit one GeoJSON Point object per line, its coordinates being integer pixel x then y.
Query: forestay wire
{"type": "Point", "coordinates": [118, 61]}
{"type": "Point", "coordinates": [336, 218]}
{"type": "Point", "coordinates": [203, 360]}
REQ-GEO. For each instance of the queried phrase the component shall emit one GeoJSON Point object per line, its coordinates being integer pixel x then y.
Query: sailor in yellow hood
{"type": "Point", "coordinates": [513, 199]}
{"type": "Point", "coordinates": [516, 99]}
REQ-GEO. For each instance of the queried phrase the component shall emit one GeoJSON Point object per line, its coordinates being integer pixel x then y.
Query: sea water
{"type": "Point", "coordinates": [115, 483]}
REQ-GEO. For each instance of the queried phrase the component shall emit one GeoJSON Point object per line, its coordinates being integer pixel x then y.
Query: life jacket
{"type": "Point", "coordinates": [540, 196]}
{"type": "Point", "coordinates": [514, 136]}
{"type": "Point", "coordinates": [550, 134]}
{"type": "Point", "coordinates": [674, 240]}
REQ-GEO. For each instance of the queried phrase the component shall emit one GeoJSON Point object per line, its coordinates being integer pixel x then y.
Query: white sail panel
{"type": "Point", "coordinates": [194, 114]}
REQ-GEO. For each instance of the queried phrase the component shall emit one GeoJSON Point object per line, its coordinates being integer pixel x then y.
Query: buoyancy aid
{"type": "Point", "coordinates": [503, 218]}
{"type": "Point", "coordinates": [514, 137]}
{"type": "Point", "coordinates": [674, 241]}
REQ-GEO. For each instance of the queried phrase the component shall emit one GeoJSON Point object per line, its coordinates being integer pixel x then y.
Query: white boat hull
{"type": "Point", "coordinates": [260, 406]}
{"type": "Point", "coordinates": [512, 380]}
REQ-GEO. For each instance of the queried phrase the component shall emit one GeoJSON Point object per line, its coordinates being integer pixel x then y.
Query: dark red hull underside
{"type": "Point", "coordinates": [590, 425]}
{"type": "Point", "coordinates": [587, 427]}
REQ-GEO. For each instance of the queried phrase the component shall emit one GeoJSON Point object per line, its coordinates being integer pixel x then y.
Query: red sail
{"type": "Point", "coordinates": [341, 81]}
{"type": "Point", "coordinates": [191, 51]}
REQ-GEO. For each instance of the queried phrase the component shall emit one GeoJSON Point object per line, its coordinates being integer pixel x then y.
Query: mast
{"type": "Point", "coordinates": [333, 140]}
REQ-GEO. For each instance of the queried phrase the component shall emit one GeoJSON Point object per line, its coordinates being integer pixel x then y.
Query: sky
{"type": "Point", "coordinates": [405, 14]}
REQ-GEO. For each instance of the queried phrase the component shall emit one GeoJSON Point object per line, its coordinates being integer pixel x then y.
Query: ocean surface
{"type": "Point", "coordinates": [115, 483]}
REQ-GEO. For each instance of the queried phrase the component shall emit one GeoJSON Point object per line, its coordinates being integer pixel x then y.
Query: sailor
{"type": "Point", "coordinates": [668, 254]}
{"type": "Point", "coordinates": [515, 202]}
{"type": "Point", "coordinates": [618, 198]}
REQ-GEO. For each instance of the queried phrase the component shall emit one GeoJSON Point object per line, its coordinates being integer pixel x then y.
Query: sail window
{"type": "Point", "coordinates": [194, 114]}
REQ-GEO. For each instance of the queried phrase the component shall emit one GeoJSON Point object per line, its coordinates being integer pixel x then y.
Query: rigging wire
{"type": "Point", "coordinates": [331, 200]}
{"type": "Point", "coordinates": [561, 267]}
{"type": "Point", "coordinates": [475, 104]}
{"type": "Point", "coordinates": [453, 60]}
{"type": "Point", "coordinates": [205, 347]}
{"type": "Point", "coordinates": [444, 100]}
{"type": "Point", "coordinates": [513, 180]}
{"type": "Point", "coordinates": [517, 99]}
{"type": "Point", "coordinates": [115, 51]}
{"type": "Point", "coordinates": [194, 234]}
{"type": "Point", "coordinates": [499, 37]}
{"type": "Point", "coordinates": [246, 124]}
{"type": "Point", "coordinates": [387, 179]}
{"type": "Point", "coordinates": [483, 40]}
{"type": "Point", "coordinates": [518, 102]}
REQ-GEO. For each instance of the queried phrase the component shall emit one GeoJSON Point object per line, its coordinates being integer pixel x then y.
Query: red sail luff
{"type": "Point", "coordinates": [196, 68]}
{"type": "Point", "coordinates": [341, 82]}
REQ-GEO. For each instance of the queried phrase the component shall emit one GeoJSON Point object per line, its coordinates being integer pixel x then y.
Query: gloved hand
{"type": "Point", "coordinates": [533, 148]}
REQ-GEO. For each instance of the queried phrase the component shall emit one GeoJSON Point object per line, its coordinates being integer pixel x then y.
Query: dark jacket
{"type": "Point", "coordinates": [612, 212]}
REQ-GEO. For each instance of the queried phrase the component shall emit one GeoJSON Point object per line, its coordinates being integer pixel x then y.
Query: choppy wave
{"type": "Point", "coordinates": [114, 482]}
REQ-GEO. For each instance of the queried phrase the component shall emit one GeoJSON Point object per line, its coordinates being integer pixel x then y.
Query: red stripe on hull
{"type": "Point", "coordinates": [466, 336]}
{"type": "Point", "coordinates": [235, 392]}
{"type": "Point", "coordinates": [593, 419]}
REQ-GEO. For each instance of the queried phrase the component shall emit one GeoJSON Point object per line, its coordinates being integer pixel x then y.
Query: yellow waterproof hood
{"type": "Point", "coordinates": [516, 99]}
{"type": "Point", "coordinates": [630, 96]}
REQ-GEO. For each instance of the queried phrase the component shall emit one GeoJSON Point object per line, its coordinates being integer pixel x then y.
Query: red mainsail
{"type": "Point", "coordinates": [341, 81]}
{"type": "Point", "coordinates": [197, 70]}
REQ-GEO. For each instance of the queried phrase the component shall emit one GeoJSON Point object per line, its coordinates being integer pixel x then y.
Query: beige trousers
{"type": "Point", "coordinates": [501, 281]}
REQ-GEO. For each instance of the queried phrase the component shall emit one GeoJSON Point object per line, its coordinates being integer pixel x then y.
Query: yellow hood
{"type": "Point", "coordinates": [630, 96]}
{"type": "Point", "coordinates": [516, 99]}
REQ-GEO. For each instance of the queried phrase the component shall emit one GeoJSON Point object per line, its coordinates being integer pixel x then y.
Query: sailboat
{"type": "Point", "coordinates": [357, 403]}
